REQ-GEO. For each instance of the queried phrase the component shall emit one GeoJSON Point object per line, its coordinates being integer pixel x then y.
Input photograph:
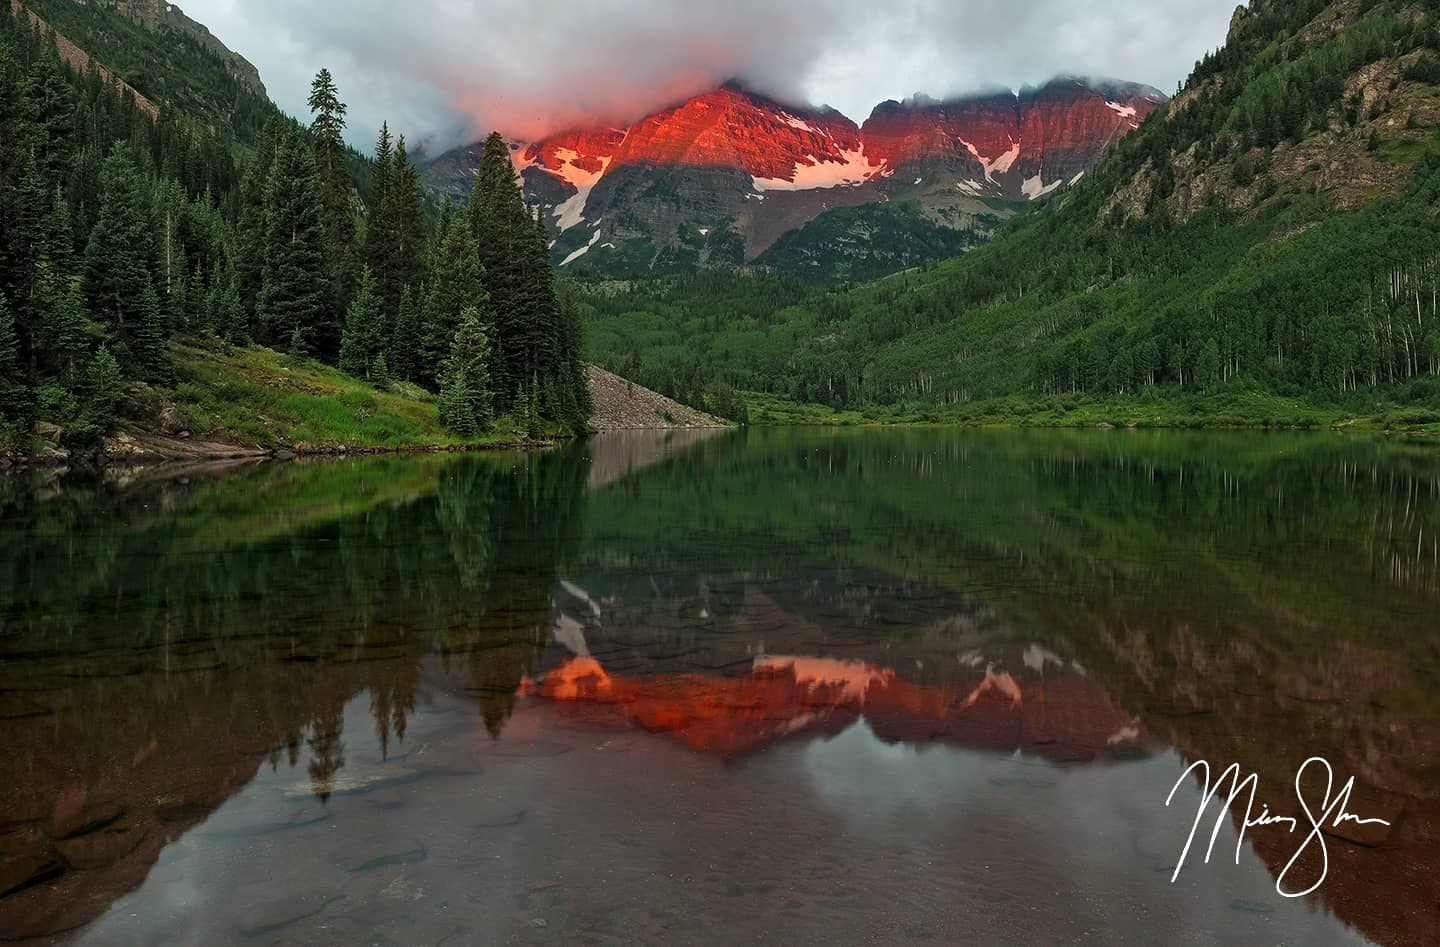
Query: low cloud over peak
{"type": "Point", "coordinates": [445, 71]}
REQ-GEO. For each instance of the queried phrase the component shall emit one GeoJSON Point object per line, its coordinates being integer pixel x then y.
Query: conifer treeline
{"type": "Point", "coordinates": [124, 230]}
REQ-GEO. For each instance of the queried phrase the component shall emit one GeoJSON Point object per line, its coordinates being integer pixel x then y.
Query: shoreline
{"type": "Point", "coordinates": [133, 449]}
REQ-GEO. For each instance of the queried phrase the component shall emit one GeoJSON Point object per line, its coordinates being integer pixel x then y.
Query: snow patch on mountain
{"type": "Point", "coordinates": [1125, 111]}
{"type": "Point", "coordinates": [594, 239]}
{"type": "Point", "coordinates": [571, 211]}
{"type": "Point", "coordinates": [1035, 187]}
{"type": "Point", "coordinates": [1002, 164]}
{"type": "Point", "coordinates": [854, 169]}
{"type": "Point", "coordinates": [998, 165]}
{"type": "Point", "coordinates": [799, 123]}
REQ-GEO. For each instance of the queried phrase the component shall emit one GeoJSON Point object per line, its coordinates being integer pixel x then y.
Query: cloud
{"type": "Point", "coordinates": [445, 71]}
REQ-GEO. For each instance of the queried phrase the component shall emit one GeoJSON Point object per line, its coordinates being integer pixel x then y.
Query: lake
{"type": "Point", "coordinates": [764, 686]}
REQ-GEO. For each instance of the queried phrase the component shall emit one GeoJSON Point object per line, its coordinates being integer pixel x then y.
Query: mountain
{"type": "Point", "coordinates": [720, 178]}
{"type": "Point", "coordinates": [166, 57]}
{"type": "Point", "coordinates": [1260, 251]}
{"type": "Point", "coordinates": [161, 15]}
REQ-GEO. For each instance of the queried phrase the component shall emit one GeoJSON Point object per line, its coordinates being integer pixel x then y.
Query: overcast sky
{"type": "Point", "coordinates": [444, 71]}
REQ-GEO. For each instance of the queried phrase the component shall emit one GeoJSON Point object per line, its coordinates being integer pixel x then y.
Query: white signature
{"type": "Point", "coordinates": [1332, 813]}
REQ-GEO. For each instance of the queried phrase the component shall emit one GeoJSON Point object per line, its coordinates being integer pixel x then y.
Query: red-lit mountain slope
{"type": "Point", "coordinates": [717, 179]}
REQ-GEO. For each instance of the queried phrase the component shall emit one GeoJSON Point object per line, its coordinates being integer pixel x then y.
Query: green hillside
{"type": "Point", "coordinates": [168, 67]}
{"type": "Point", "coordinates": [869, 241]}
{"type": "Point", "coordinates": [1272, 234]}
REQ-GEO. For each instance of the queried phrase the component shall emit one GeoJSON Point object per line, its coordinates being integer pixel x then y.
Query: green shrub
{"type": "Point", "coordinates": [56, 404]}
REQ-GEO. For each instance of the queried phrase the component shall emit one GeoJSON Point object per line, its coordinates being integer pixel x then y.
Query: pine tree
{"type": "Point", "coordinates": [54, 111]}
{"type": "Point", "coordinates": [104, 388]}
{"type": "Point", "coordinates": [9, 344]}
{"type": "Point", "coordinates": [199, 317]}
{"type": "Point", "coordinates": [379, 234]}
{"type": "Point", "coordinates": [404, 359]}
{"type": "Point", "coordinates": [379, 371]}
{"type": "Point", "coordinates": [66, 335]}
{"type": "Point", "coordinates": [250, 229]}
{"type": "Point", "coordinates": [16, 163]}
{"type": "Point", "coordinates": [501, 227]}
{"type": "Point", "coordinates": [231, 319]}
{"type": "Point", "coordinates": [573, 376]}
{"type": "Point", "coordinates": [121, 251]}
{"type": "Point", "coordinates": [294, 300]}
{"type": "Point", "coordinates": [467, 373]}
{"type": "Point", "coordinates": [513, 247]}
{"type": "Point", "coordinates": [327, 130]}
{"type": "Point", "coordinates": [406, 219]}
{"type": "Point", "coordinates": [177, 297]}
{"type": "Point", "coordinates": [456, 283]}
{"type": "Point", "coordinates": [15, 399]}
{"type": "Point", "coordinates": [151, 347]}
{"type": "Point", "coordinates": [57, 251]}
{"type": "Point", "coordinates": [364, 336]}
{"type": "Point", "coordinates": [455, 408]}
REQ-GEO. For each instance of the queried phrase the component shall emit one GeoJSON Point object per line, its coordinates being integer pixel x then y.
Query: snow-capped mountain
{"type": "Point", "coordinates": [719, 178]}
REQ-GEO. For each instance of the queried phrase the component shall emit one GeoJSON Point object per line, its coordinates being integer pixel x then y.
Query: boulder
{"type": "Point", "coordinates": [120, 446]}
{"type": "Point", "coordinates": [172, 421]}
{"type": "Point", "coordinates": [50, 432]}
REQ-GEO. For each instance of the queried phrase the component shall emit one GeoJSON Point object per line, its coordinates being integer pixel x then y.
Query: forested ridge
{"type": "Point", "coordinates": [1273, 229]}
{"type": "Point", "coordinates": [129, 229]}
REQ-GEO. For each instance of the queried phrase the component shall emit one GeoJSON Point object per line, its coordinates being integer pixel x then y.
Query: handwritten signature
{"type": "Point", "coordinates": [1331, 813]}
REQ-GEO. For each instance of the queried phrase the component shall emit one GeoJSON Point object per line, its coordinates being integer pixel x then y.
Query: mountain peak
{"type": "Point", "coordinates": [738, 167]}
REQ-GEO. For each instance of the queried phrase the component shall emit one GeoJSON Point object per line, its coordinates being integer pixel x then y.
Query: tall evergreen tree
{"type": "Point", "coordinates": [573, 375]}
{"type": "Point", "coordinates": [327, 129]}
{"type": "Point", "coordinates": [456, 283]}
{"type": "Point", "coordinates": [120, 254]}
{"type": "Point", "coordinates": [294, 305]}
{"type": "Point", "coordinates": [364, 336]}
{"type": "Point", "coordinates": [466, 385]}
{"type": "Point", "coordinates": [66, 335]}
{"type": "Point", "coordinates": [151, 347]}
{"type": "Point", "coordinates": [104, 386]}
{"type": "Point", "coordinates": [406, 219]}
{"type": "Point", "coordinates": [9, 344]}
{"type": "Point", "coordinates": [15, 394]}
{"type": "Point", "coordinates": [502, 225]}
{"type": "Point", "coordinates": [379, 234]}
{"type": "Point", "coordinates": [250, 228]}
{"type": "Point", "coordinates": [405, 340]}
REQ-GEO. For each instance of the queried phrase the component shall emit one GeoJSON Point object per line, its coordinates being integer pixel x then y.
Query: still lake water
{"type": "Point", "coordinates": [769, 686]}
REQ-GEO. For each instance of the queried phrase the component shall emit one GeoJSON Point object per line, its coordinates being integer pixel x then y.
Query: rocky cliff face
{"type": "Point", "coordinates": [156, 15]}
{"type": "Point", "coordinates": [1020, 147]}
{"type": "Point", "coordinates": [717, 179]}
{"type": "Point", "coordinates": [1359, 145]}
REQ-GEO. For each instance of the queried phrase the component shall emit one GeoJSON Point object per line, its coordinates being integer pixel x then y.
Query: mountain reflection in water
{"type": "Point", "coordinates": [1062, 716]}
{"type": "Point", "coordinates": [785, 686]}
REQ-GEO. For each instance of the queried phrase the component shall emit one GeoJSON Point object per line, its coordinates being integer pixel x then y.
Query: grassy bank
{"type": "Point", "coordinates": [1228, 409]}
{"type": "Point", "coordinates": [256, 396]}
